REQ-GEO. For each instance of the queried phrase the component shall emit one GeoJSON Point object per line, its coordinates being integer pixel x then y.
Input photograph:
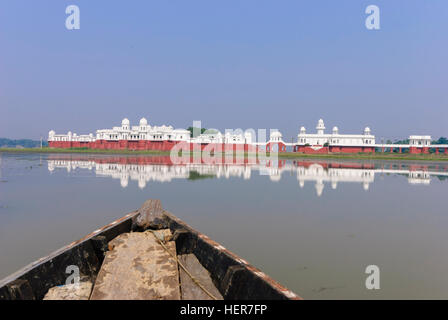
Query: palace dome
{"type": "Point", "coordinates": [320, 124]}
{"type": "Point", "coordinates": [125, 122]}
{"type": "Point", "coordinates": [143, 122]}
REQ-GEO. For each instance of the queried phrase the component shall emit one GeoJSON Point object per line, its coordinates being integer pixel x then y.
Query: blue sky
{"type": "Point", "coordinates": [231, 64]}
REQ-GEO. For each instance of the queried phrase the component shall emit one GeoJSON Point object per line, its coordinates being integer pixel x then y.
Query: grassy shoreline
{"type": "Point", "coordinates": [283, 155]}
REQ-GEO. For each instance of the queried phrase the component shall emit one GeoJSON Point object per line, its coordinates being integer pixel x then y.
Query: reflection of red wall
{"type": "Point", "coordinates": [341, 165]}
{"type": "Point", "coordinates": [221, 159]}
{"type": "Point", "coordinates": [165, 159]}
{"type": "Point", "coordinates": [278, 164]}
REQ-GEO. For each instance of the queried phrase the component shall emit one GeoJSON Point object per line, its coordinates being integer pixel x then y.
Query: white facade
{"type": "Point", "coordinates": [419, 141]}
{"type": "Point", "coordinates": [335, 138]}
{"type": "Point", "coordinates": [214, 136]}
{"type": "Point", "coordinates": [52, 136]}
{"type": "Point", "coordinates": [143, 131]}
{"type": "Point", "coordinates": [276, 137]}
{"type": "Point", "coordinates": [126, 132]}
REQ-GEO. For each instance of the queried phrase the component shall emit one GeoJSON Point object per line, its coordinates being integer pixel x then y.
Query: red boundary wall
{"type": "Point", "coordinates": [221, 147]}
{"type": "Point", "coordinates": [152, 145]}
{"type": "Point", "coordinates": [416, 150]}
{"type": "Point", "coordinates": [275, 147]}
{"type": "Point", "coordinates": [332, 149]}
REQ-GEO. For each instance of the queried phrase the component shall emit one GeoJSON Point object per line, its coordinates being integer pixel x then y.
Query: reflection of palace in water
{"type": "Point", "coordinates": [320, 172]}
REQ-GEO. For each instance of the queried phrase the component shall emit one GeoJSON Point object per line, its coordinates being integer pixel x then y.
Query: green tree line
{"type": "Point", "coordinates": [441, 140]}
{"type": "Point", "coordinates": [26, 143]}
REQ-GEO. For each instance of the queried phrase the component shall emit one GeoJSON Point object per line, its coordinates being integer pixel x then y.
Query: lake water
{"type": "Point", "coordinates": [313, 225]}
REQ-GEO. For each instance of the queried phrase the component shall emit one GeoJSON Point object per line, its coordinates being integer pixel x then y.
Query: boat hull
{"type": "Point", "coordinates": [234, 277]}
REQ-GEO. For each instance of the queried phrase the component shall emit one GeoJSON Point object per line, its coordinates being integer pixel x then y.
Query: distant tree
{"type": "Point", "coordinates": [25, 143]}
{"type": "Point", "coordinates": [405, 141]}
{"type": "Point", "coordinates": [194, 175]}
{"type": "Point", "coordinates": [202, 130]}
{"type": "Point", "coordinates": [441, 140]}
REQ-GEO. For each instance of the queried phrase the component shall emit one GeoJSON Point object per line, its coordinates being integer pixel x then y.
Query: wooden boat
{"type": "Point", "coordinates": [215, 272]}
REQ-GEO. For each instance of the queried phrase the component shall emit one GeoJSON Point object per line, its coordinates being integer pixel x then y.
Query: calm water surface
{"type": "Point", "coordinates": [313, 225]}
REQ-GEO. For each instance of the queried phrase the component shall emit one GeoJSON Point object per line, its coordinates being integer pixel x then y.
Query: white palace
{"type": "Point", "coordinates": [164, 138]}
{"type": "Point", "coordinates": [142, 137]}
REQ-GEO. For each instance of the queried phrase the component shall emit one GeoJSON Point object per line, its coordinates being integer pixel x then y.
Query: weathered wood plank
{"type": "Point", "coordinates": [150, 215]}
{"type": "Point", "coordinates": [80, 291]}
{"type": "Point", "coordinates": [138, 268]}
{"type": "Point", "coordinates": [189, 289]}
{"type": "Point", "coordinates": [20, 289]}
